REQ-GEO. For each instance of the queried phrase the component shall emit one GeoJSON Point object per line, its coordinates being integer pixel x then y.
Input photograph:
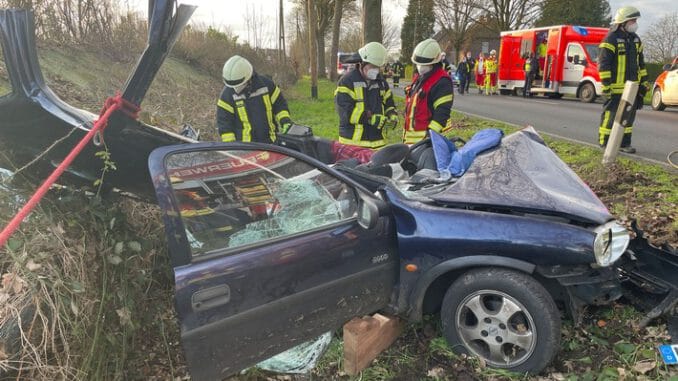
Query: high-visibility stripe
{"type": "Point", "coordinates": [225, 106]}
{"type": "Point", "coordinates": [411, 118]}
{"type": "Point", "coordinates": [362, 143]}
{"type": "Point", "coordinates": [604, 131]}
{"type": "Point", "coordinates": [246, 126]}
{"type": "Point", "coordinates": [435, 126]}
{"type": "Point", "coordinates": [282, 114]}
{"type": "Point", "coordinates": [196, 212]}
{"type": "Point", "coordinates": [345, 90]}
{"type": "Point", "coordinates": [228, 137]}
{"type": "Point", "coordinates": [443, 99]}
{"type": "Point", "coordinates": [628, 130]}
{"type": "Point", "coordinates": [388, 94]}
{"type": "Point", "coordinates": [605, 74]}
{"type": "Point", "coordinates": [608, 46]}
{"type": "Point", "coordinates": [412, 137]}
{"type": "Point", "coordinates": [269, 117]}
{"type": "Point", "coordinates": [392, 108]}
{"type": "Point", "coordinates": [642, 73]}
{"type": "Point", "coordinates": [359, 107]}
{"type": "Point", "coordinates": [275, 95]}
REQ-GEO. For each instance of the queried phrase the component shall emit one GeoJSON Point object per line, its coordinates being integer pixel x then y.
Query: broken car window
{"type": "Point", "coordinates": [229, 199]}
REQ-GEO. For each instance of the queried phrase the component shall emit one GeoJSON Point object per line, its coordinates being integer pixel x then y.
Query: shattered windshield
{"type": "Point", "coordinates": [229, 199]}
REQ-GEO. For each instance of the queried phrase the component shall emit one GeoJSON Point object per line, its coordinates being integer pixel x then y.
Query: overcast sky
{"type": "Point", "coordinates": [231, 14]}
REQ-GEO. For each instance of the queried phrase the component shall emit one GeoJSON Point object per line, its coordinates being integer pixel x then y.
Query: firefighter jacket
{"type": "Point", "coordinates": [398, 69]}
{"type": "Point", "coordinates": [428, 104]}
{"type": "Point", "coordinates": [490, 66]}
{"type": "Point", "coordinates": [620, 60]}
{"type": "Point", "coordinates": [464, 69]}
{"type": "Point", "coordinates": [254, 115]}
{"type": "Point", "coordinates": [357, 99]}
{"type": "Point", "coordinates": [531, 66]}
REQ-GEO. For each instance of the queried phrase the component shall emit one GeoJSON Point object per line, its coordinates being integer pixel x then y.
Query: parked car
{"type": "Point", "coordinates": [665, 89]}
{"type": "Point", "coordinates": [311, 245]}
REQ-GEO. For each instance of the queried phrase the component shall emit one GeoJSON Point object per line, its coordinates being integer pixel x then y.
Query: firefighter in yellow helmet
{"type": "Point", "coordinates": [251, 107]}
{"type": "Point", "coordinates": [364, 101]}
{"type": "Point", "coordinates": [491, 67]}
{"type": "Point", "coordinates": [620, 60]}
{"type": "Point", "coordinates": [428, 100]}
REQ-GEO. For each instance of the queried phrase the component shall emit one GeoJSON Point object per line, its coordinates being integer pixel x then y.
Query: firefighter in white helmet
{"type": "Point", "coordinates": [251, 107]}
{"type": "Point", "coordinates": [428, 100]}
{"type": "Point", "coordinates": [364, 101]}
{"type": "Point", "coordinates": [620, 60]}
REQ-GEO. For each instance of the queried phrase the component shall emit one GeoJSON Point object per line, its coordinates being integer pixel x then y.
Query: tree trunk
{"type": "Point", "coordinates": [312, 47]}
{"type": "Point", "coordinates": [336, 29]}
{"type": "Point", "coordinates": [371, 21]}
{"type": "Point", "coordinates": [322, 72]}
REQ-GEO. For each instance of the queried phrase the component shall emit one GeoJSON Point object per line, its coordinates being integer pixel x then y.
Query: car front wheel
{"type": "Point", "coordinates": [587, 93]}
{"type": "Point", "coordinates": [505, 317]}
{"type": "Point", "coordinates": [657, 100]}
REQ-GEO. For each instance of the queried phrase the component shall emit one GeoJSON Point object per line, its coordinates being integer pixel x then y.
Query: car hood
{"type": "Point", "coordinates": [523, 174]}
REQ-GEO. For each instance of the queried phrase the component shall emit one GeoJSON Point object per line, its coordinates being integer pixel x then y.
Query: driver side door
{"type": "Point", "coordinates": [267, 251]}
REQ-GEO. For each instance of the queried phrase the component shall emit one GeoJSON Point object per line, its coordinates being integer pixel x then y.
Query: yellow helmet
{"type": "Point", "coordinates": [625, 14]}
{"type": "Point", "coordinates": [237, 70]}
{"type": "Point", "coordinates": [374, 53]}
{"type": "Point", "coordinates": [427, 52]}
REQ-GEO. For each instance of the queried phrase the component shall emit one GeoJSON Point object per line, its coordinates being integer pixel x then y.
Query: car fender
{"type": "Point", "coordinates": [430, 275]}
{"type": "Point", "coordinates": [596, 83]}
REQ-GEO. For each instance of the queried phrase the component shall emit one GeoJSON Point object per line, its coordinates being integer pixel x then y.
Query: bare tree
{"type": "Point", "coordinates": [390, 32]}
{"type": "Point", "coordinates": [660, 41]}
{"type": "Point", "coordinates": [260, 30]}
{"type": "Point", "coordinates": [500, 15]}
{"type": "Point", "coordinates": [312, 46]}
{"type": "Point", "coordinates": [336, 30]}
{"type": "Point", "coordinates": [372, 21]}
{"type": "Point", "coordinates": [455, 18]}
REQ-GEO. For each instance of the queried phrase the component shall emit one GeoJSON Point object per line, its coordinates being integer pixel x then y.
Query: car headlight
{"type": "Point", "coordinates": [610, 243]}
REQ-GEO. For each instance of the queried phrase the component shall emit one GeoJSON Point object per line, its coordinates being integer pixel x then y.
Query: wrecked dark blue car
{"type": "Point", "coordinates": [272, 247]}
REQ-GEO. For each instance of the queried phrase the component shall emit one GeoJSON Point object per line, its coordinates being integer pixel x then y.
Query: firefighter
{"type": "Point", "coordinates": [479, 70]}
{"type": "Point", "coordinates": [428, 100]}
{"type": "Point", "coordinates": [620, 60]}
{"type": "Point", "coordinates": [364, 101]}
{"type": "Point", "coordinates": [471, 65]}
{"type": "Point", "coordinates": [491, 73]}
{"type": "Point", "coordinates": [251, 107]}
{"type": "Point", "coordinates": [464, 73]}
{"type": "Point", "coordinates": [541, 52]}
{"type": "Point", "coordinates": [531, 68]}
{"type": "Point", "coordinates": [398, 69]}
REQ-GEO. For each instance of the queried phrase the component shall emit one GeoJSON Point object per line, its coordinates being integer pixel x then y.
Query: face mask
{"type": "Point", "coordinates": [632, 28]}
{"type": "Point", "coordinates": [372, 74]}
{"type": "Point", "coordinates": [423, 69]}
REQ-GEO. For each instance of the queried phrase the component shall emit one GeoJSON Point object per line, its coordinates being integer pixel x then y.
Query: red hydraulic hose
{"type": "Point", "coordinates": [110, 106]}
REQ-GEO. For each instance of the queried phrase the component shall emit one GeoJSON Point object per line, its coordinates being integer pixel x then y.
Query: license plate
{"type": "Point", "coordinates": [669, 354]}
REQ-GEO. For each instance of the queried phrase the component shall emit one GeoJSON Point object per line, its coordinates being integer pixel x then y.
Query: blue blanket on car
{"type": "Point", "coordinates": [455, 162]}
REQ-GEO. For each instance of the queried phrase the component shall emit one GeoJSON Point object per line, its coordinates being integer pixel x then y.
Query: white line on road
{"type": "Point", "coordinates": [546, 103]}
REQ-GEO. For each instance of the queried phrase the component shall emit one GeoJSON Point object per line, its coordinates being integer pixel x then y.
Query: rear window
{"type": "Point", "coordinates": [5, 84]}
{"type": "Point", "coordinates": [592, 50]}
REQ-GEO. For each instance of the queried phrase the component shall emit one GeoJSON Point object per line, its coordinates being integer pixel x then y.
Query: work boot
{"type": "Point", "coordinates": [628, 149]}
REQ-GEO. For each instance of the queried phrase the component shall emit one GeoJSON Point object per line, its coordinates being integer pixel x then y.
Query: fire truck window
{"type": "Point", "coordinates": [526, 47]}
{"type": "Point", "coordinates": [592, 50]}
{"type": "Point", "coordinates": [5, 84]}
{"type": "Point", "coordinates": [230, 199]}
{"type": "Point", "coordinates": [574, 50]}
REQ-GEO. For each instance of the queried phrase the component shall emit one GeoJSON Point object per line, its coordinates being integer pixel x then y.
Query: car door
{"type": "Point", "coordinates": [573, 68]}
{"type": "Point", "coordinates": [267, 251]}
{"type": "Point", "coordinates": [671, 86]}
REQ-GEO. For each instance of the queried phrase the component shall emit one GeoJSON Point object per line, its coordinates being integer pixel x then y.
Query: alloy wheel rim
{"type": "Point", "coordinates": [497, 327]}
{"type": "Point", "coordinates": [656, 98]}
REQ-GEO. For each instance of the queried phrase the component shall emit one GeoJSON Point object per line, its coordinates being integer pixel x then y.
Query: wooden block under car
{"type": "Point", "coordinates": [365, 338]}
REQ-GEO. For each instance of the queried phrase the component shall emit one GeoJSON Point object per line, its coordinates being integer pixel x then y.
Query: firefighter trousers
{"type": "Point", "coordinates": [607, 120]}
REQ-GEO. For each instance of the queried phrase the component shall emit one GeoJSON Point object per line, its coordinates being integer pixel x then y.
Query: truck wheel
{"type": "Point", "coordinates": [504, 92]}
{"type": "Point", "coordinates": [505, 317]}
{"type": "Point", "coordinates": [657, 100]}
{"type": "Point", "coordinates": [587, 92]}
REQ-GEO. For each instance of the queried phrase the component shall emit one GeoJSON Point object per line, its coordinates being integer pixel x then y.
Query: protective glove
{"type": "Point", "coordinates": [285, 127]}
{"type": "Point", "coordinates": [393, 121]}
{"type": "Point", "coordinates": [378, 120]}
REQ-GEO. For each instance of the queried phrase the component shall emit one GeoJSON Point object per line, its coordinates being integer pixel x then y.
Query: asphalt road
{"type": "Point", "coordinates": [655, 133]}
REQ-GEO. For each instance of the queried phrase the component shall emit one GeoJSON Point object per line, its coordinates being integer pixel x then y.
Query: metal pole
{"type": "Point", "coordinates": [626, 106]}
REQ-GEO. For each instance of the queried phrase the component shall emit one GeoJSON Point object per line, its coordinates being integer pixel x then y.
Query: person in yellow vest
{"type": "Point", "coordinates": [541, 52]}
{"type": "Point", "coordinates": [428, 100]}
{"type": "Point", "coordinates": [530, 68]}
{"type": "Point", "coordinates": [364, 101]}
{"type": "Point", "coordinates": [251, 107]}
{"type": "Point", "coordinates": [491, 73]}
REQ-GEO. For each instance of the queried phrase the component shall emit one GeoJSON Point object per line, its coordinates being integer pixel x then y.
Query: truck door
{"type": "Point", "coordinates": [510, 63]}
{"type": "Point", "coordinates": [573, 68]}
{"type": "Point", "coordinates": [272, 256]}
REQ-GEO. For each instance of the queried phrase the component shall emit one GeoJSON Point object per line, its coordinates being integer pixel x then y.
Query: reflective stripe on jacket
{"type": "Point", "coordinates": [428, 104]}
{"type": "Point", "coordinates": [356, 100]}
{"type": "Point", "coordinates": [490, 66]}
{"type": "Point", "coordinates": [621, 59]}
{"type": "Point", "coordinates": [254, 115]}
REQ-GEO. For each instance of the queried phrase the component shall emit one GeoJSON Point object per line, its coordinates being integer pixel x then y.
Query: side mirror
{"type": "Point", "coordinates": [368, 212]}
{"type": "Point", "coordinates": [576, 59]}
{"type": "Point", "coordinates": [666, 67]}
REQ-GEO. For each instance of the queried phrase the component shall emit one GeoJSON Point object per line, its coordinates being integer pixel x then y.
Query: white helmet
{"type": "Point", "coordinates": [427, 52]}
{"type": "Point", "coordinates": [625, 14]}
{"type": "Point", "coordinates": [374, 53]}
{"type": "Point", "coordinates": [493, 52]}
{"type": "Point", "coordinates": [237, 71]}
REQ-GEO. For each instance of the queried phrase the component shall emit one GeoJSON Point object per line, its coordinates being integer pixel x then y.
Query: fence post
{"type": "Point", "coordinates": [626, 105]}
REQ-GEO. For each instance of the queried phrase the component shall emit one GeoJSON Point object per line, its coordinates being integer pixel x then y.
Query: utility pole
{"type": "Point", "coordinates": [281, 35]}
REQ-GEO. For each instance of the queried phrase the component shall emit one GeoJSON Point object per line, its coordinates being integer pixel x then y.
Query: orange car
{"type": "Point", "coordinates": [665, 89]}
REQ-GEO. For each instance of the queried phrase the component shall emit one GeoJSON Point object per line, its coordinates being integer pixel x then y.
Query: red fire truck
{"type": "Point", "coordinates": [567, 58]}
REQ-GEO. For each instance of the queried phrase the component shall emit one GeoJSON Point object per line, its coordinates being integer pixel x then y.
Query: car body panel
{"type": "Point", "coordinates": [667, 83]}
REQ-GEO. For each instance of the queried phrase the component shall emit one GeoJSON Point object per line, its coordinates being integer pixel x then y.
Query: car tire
{"type": "Point", "coordinates": [506, 309]}
{"type": "Point", "coordinates": [657, 100]}
{"type": "Point", "coordinates": [587, 92]}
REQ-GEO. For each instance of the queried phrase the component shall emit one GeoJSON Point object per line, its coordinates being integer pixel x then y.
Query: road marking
{"type": "Point", "coordinates": [546, 103]}
{"type": "Point", "coordinates": [653, 161]}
